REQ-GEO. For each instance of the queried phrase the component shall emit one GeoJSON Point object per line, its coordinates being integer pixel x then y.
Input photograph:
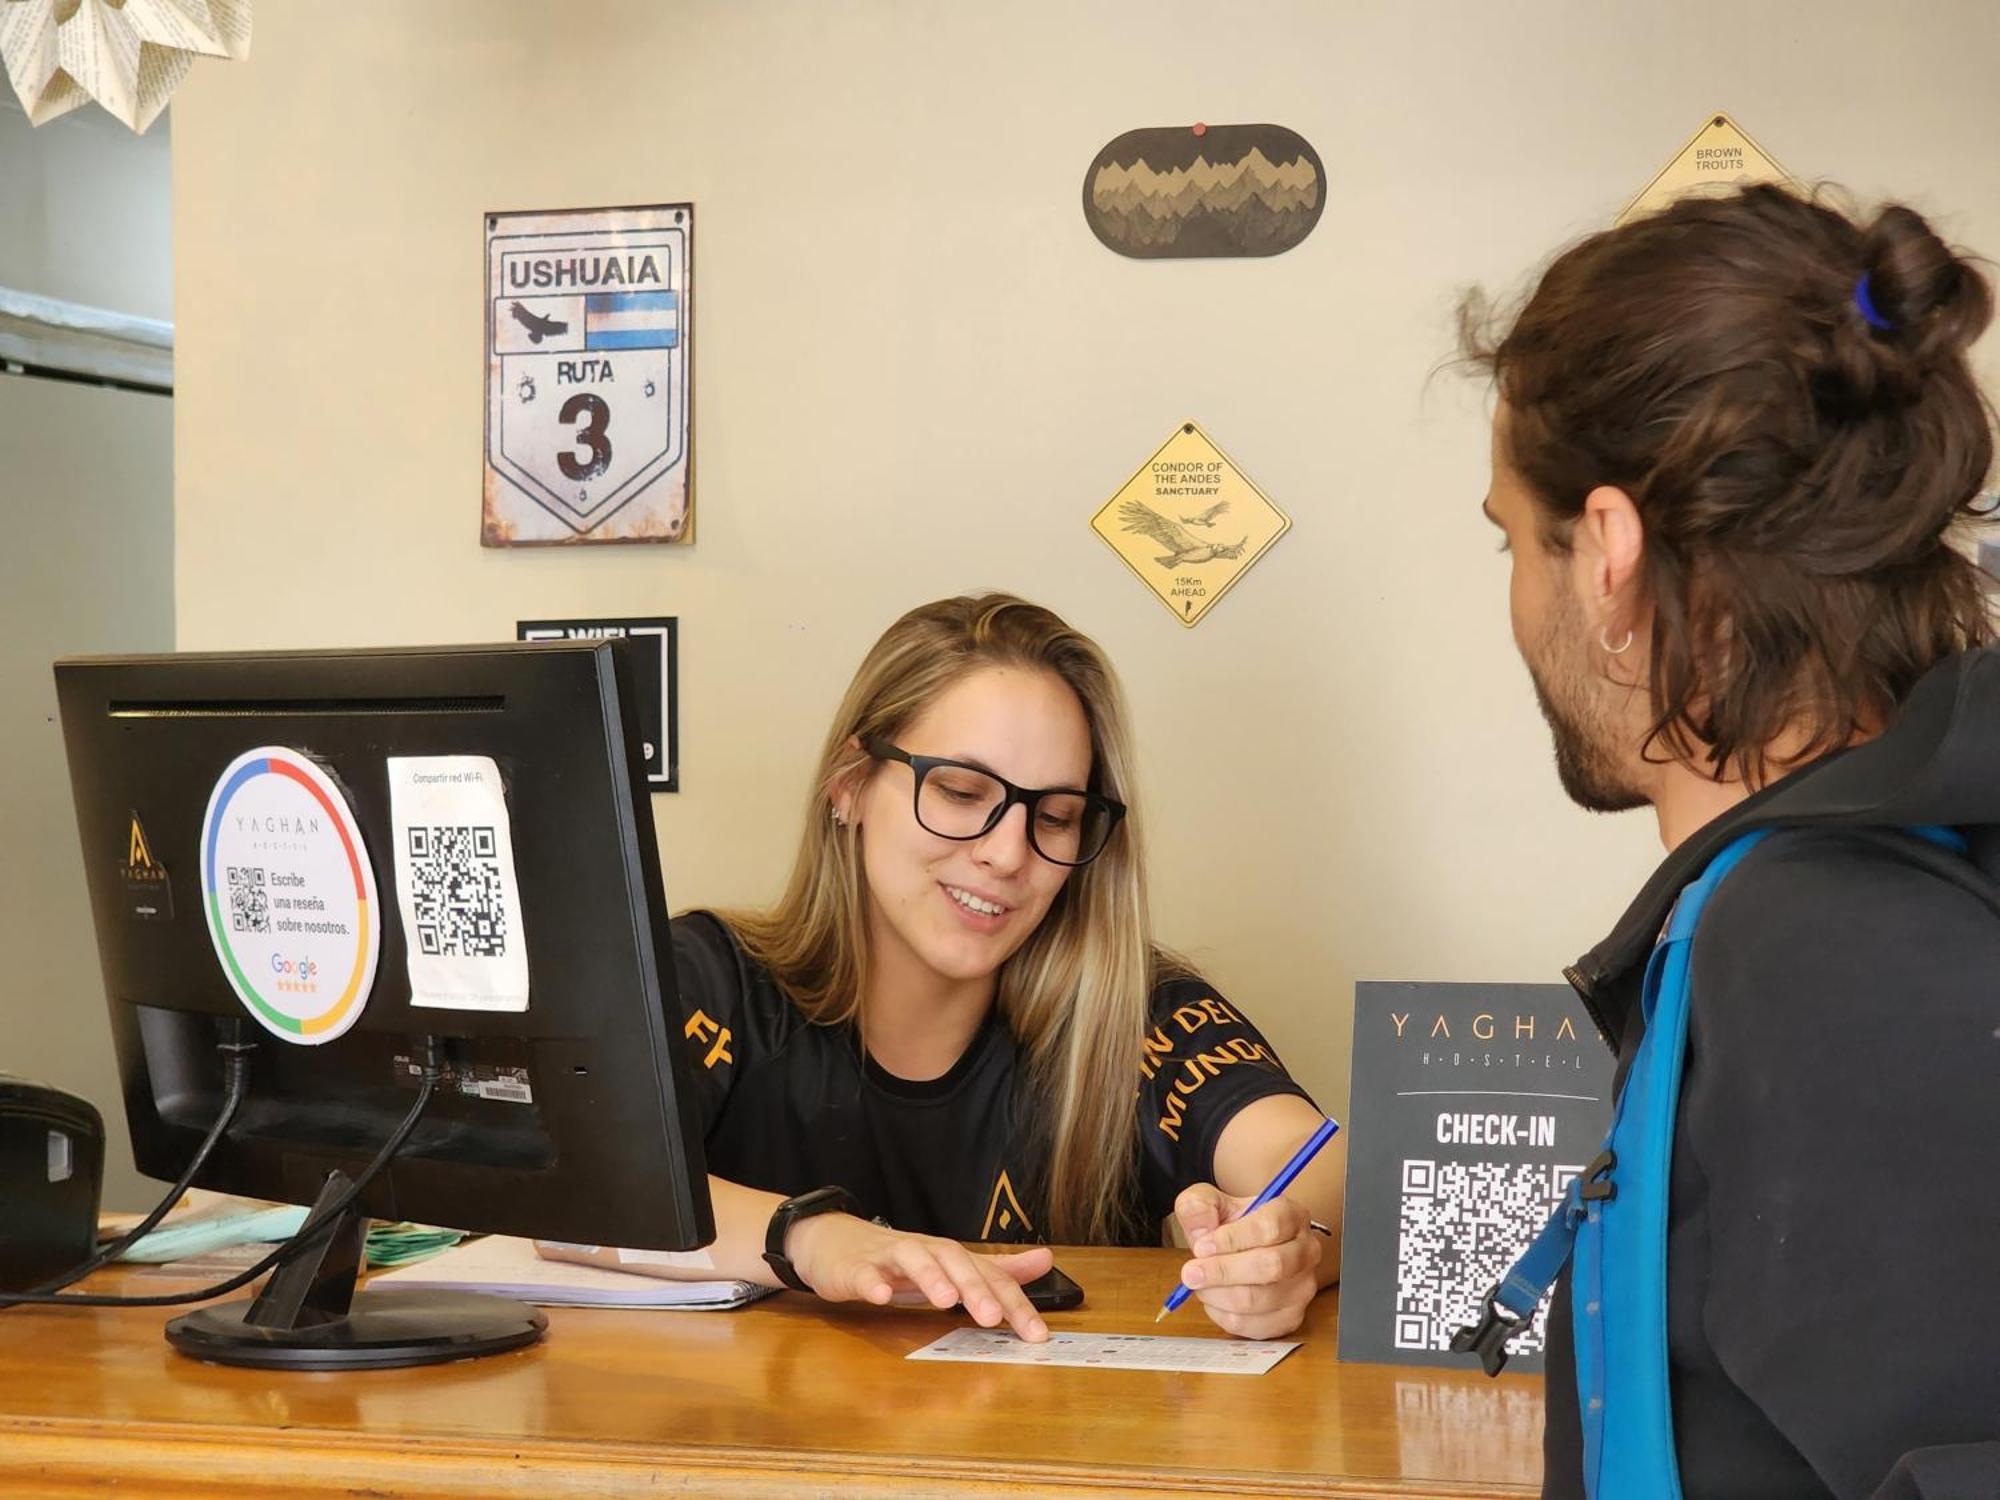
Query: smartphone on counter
{"type": "Point", "coordinates": [1053, 1292]}
{"type": "Point", "coordinates": [1050, 1292]}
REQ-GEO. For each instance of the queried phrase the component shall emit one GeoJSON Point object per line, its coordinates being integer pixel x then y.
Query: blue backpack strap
{"type": "Point", "coordinates": [1619, 1288]}
{"type": "Point", "coordinates": [1620, 1276]}
{"type": "Point", "coordinates": [1511, 1301]}
{"type": "Point", "coordinates": [1944, 838]}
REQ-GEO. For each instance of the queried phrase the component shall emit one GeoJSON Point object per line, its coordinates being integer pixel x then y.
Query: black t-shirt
{"type": "Point", "coordinates": [788, 1106]}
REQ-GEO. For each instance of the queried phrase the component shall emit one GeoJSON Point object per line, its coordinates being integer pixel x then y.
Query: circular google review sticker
{"type": "Point", "coordinates": [289, 895]}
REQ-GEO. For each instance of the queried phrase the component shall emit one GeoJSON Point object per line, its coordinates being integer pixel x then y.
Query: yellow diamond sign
{"type": "Point", "coordinates": [1718, 157]}
{"type": "Point", "coordinates": [1189, 523]}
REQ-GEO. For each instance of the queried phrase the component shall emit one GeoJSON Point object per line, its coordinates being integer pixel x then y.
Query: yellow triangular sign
{"type": "Point", "coordinates": [1718, 157]}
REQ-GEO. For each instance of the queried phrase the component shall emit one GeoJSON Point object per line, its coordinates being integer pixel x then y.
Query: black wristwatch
{"type": "Point", "coordinates": [826, 1200]}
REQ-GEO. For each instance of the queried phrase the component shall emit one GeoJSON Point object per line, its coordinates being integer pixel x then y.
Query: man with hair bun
{"type": "Point", "coordinates": [1736, 448]}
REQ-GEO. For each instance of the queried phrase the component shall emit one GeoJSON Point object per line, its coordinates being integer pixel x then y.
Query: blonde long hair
{"type": "Point", "coordinates": [1075, 994]}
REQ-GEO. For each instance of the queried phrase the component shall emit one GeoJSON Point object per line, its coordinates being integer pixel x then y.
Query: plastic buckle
{"type": "Point", "coordinates": [1488, 1338]}
{"type": "Point", "coordinates": [1597, 1183]}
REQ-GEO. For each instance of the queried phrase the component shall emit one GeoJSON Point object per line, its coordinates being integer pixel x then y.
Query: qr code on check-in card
{"type": "Point", "coordinates": [1462, 1225]}
{"type": "Point", "coordinates": [249, 899]}
{"type": "Point", "coordinates": [456, 889]}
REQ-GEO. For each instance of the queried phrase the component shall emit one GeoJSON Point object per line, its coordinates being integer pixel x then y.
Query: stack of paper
{"type": "Point", "coordinates": [209, 1227]}
{"type": "Point", "coordinates": [510, 1268]}
{"type": "Point", "coordinates": [402, 1243]}
{"type": "Point", "coordinates": [224, 1224]}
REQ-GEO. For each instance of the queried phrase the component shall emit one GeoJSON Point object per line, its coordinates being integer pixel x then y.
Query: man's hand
{"type": "Point", "coordinates": [1254, 1274]}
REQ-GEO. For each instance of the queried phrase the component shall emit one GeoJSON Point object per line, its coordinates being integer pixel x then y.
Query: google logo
{"type": "Point", "coordinates": [305, 968]}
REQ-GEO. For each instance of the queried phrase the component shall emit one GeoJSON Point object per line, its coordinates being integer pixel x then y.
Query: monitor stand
{"type": "Point", "coordinates": [309, 1316]}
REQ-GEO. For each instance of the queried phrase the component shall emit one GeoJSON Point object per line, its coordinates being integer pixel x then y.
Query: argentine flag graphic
{"type": "Point", "coordinates": [631, 320]}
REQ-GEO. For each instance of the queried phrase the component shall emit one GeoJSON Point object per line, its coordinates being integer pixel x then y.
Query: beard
{"type": "Point", "coordinates": [1571, 694]}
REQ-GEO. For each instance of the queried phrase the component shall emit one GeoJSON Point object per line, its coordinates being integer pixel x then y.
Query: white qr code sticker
{"type": "Point", "coordinates": [1462, 1224]}
{"type": "Point", "coordinates": [455, 883]}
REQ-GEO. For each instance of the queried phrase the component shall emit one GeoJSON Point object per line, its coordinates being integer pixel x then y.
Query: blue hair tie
{"type": "Point", "coordinates": [1867, 305]}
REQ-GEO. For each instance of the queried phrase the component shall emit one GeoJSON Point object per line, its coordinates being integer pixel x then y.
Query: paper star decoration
{"type": "Point", "coordinates": [128, 55]}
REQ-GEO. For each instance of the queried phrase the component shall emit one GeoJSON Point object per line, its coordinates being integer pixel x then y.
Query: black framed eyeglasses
{"type": "Point", "coordinates": [955, 800]}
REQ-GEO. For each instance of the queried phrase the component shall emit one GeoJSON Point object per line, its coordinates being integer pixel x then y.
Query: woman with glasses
{"type": "Point", "coordinates": [954, 1024]}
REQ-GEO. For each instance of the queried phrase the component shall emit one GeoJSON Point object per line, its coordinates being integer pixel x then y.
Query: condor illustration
{"type": "Point", "coordinates": [1136, 516]}
{"type": "Point", "coordinates": [538, 328]}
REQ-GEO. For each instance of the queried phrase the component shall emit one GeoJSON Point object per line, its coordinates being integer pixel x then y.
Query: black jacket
{"type": "Point", "coordinates": [1834, 1225]}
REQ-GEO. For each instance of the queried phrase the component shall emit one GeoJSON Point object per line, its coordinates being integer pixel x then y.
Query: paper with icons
{"type": "Point", "coordinates": [1109, 1351]}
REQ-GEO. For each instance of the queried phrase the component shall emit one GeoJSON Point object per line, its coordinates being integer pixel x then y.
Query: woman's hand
{"type": "Point", "coordinates": [1255, 1275]}
{"type": "Point", "coordinates": [845, 1259]}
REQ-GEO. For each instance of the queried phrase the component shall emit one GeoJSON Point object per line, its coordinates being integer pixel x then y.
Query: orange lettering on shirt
{"type": "Point", "coordinates": [702, 1030]}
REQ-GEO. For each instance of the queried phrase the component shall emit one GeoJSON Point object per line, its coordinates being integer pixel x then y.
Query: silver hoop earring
{"type": "Point", "coordinates": [1604, 640]}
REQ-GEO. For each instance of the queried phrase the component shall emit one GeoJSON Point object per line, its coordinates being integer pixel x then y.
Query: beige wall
{"type": "Point", "coordinates": [86, 492]}
{"type": "Point", "coordinates": [918, 373]}
{"type": "Point", "coordinates": [88, 567]}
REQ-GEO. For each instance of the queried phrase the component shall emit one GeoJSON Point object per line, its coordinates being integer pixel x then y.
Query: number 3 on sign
{"type": "Point", "coordinates": [594, 434]}
{"type": "Point", "coordinates": [587, 337]}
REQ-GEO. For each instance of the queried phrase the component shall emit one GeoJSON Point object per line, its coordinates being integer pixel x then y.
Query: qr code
{"type": "Point", "coordinates": [1462, 1225]}
{"type": "Point", "coordinates": [249, 901]}
{"type": "Point", "coordinates": [455, 885]}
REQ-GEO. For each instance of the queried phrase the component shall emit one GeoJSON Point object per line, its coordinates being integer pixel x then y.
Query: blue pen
{"type": "Point", "coordinates": [1279, 1183]}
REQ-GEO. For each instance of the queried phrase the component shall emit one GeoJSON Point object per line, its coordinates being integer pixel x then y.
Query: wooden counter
{"type": "Point", "coordinates": [786, 1398]}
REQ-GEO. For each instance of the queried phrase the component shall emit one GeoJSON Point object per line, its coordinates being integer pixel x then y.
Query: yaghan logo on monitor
{"type": "Point", "coordinates": [149, 894]}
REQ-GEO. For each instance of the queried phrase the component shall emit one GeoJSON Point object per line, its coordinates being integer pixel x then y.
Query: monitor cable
{"type": "Point", "coordinates": [236, 1071]}
{"type": "Point", "coordinates": [313, 1229]}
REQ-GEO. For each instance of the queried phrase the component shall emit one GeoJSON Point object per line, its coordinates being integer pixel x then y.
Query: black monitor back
{"type": "Point", "coordinates": [573, 1119]}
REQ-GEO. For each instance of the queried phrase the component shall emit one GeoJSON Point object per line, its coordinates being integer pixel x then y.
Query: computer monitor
{"type": "Point", "coordinates": [358, 858]}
